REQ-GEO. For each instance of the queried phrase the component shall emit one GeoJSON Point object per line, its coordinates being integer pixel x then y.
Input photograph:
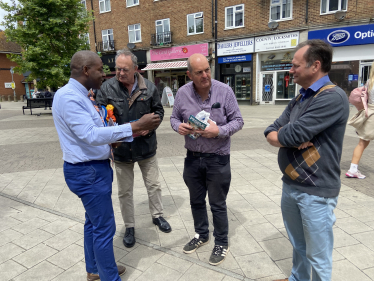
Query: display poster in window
{"type": "Point", "coordinates": [242, 46]}
{"type": "Point", "coordinates": [276, 42]}
{"type": "Point", "coordinates": [246, 69]}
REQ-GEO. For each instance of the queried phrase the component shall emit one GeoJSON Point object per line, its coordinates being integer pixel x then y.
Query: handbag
{"type": "Point", "coordinates": [359, 98]}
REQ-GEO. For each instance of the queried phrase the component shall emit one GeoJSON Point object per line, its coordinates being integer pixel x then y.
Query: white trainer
{"type": "Point", "coordinates": [356, 175]}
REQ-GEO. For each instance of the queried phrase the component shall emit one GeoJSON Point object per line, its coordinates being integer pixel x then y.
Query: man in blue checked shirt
{"type": "Point", "coordinates": [85, 143]}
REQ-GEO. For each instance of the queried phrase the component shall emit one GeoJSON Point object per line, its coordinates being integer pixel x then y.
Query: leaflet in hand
{"type": "Point", "coordinates": [196, 124]}
{"type": "Point", "coordinates": [112, 123]}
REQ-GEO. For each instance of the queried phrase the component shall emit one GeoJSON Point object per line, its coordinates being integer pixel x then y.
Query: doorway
{"type": "Point", "coordinates": [365, 72]}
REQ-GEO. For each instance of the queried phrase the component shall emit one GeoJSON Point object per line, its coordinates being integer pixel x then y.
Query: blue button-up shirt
{"type": "Point", "coordinates": [314, 87]}
{"type": "Point", "coordinates": [80, 129]}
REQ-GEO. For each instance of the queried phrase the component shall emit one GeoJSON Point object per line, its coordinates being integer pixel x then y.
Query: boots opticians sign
{"type": "Point", "coordinates": [345, 36]}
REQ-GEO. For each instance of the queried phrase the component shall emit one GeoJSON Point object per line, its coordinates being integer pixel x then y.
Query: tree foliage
{"type": "Point", "coordinates": [49, 33]}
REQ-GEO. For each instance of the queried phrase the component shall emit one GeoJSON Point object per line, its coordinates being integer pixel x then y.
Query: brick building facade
{"type": "Point", "coordinates": [5, 65]}
{"type": "Point", "coordinates": [255, 70]}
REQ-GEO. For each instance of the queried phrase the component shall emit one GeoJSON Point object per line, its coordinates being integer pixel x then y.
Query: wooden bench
{"type": "Point", "coordinates": [37, 103]}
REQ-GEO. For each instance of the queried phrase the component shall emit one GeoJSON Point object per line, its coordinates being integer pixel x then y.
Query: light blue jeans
{"type": "Point", "coordinates": [309, 220]}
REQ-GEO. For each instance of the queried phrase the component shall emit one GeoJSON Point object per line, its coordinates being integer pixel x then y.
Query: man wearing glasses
{"type": "Point", "coordinates": [207, 165]}
{"type": "Point", "coordinates": [133, 96]}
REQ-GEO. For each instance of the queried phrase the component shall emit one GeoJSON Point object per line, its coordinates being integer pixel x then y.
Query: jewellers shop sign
{"type": "Point", "coordinates": [242, 46]}
{"type": "Point", "coordinates": [345, 36]}
{"type": "Point", "coordinates": [276, 42]}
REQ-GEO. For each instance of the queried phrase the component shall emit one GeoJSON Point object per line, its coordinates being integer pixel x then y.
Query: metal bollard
{"type": "Point", "coordinates": [15, 98]}
{"type": "Point", "coordinates": [9, 98]}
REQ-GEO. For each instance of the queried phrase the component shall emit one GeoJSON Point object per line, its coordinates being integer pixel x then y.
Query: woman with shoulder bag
{"type": "Point", "coordinates": [364, 124]}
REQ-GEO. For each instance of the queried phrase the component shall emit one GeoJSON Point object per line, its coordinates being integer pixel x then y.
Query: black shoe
{"type": "Point", "coordinates": [218, 254]}
{"type": "Point", "coordinates": [129, 238]}
{"type": "Point", "coordinates": [162, 224]}
{"type": "Point", "coordinates": [195, 243]}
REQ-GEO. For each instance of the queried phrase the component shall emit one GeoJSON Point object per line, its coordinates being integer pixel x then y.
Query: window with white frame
{"type": "Point", "coordinates": [135, 33]}
{"type": "Point", "coordinates": [83, 2]}
{"type": "Point", "coordinates": [130, 3]}
{"type": "Point", "coordinates": [330, 6]}
{"type": "Point", "coordinates": [108, 43]}
{"type": "Point", "coordinates": [195, 23]}
{"type": "Point", "coordinates": [104, 6]}
{"type": "Point", "coordinates": [280, 9]}
{"type": "Point", "coordinates": [234, 16]}
{"type": "Point", "coordinates": [163, 34]}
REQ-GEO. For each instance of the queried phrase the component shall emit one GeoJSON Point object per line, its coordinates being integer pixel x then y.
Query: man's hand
{"type": "Point", "coordinates": [305, 145]}
{"type": "Point", "coordinates": [147, 122]}
{"type": "Point", "coordinates": [185, 129]}
{"type": "Point", "coordinates": [211, 131]}
{"type": "Point", "coordinates": [272, 138]}
{"type": "Point", "coordinates": [144, 133]}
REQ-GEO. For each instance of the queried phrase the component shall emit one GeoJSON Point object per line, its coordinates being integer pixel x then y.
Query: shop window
{"type": "Point", "coordinates": [163, 34]}
{"type": "Point", "coordinates": [285, 86]}
{"type": "Point", "coordinates": [108, 42]}
{"type": "Point", "coordinates": [330, 6]}
{"type": "Point", "coordinates": [234, 16]}
{"type": "Point", "coordinates": [135, 33]}
{"type": "Point", "coordinates": [104, 6]}
{"type": "Point", "coordinates": [130, 3]}
{"type": "Point", "coordinates": [280, 9]}
{"type": "Point", "coordinates": [195, 23]}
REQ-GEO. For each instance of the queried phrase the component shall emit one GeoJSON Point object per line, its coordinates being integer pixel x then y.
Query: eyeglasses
{"type": "Point", "coordinates": [199, 73]}
{"type": "Point", "coordinates": [122, 69]}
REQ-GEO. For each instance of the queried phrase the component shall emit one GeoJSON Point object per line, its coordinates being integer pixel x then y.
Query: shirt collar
{"type": "Point", "coordinates": [315, 86]}
{"type": "Point", "coordinates": [82, 89]}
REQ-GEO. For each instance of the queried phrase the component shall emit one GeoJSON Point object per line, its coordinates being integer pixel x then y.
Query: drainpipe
{"type": "Point", "coordinates": [93, 23]}
{"type": "Point", "coordinates": [216, 75]}
{"type": "Point", "coordinates": [212, 19]}
{"type": "Point", "coordinates": [306, 11]}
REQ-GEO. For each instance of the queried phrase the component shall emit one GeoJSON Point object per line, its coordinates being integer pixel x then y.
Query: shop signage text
{"type": "Point", "coordinates": [242, 46]}
{"type": "Point", "coordinates": [345, 36]}
{"type": "Point", "coordinates": [179, 52]}
{"type": "Point", "coordinates": [276, 42]}
{"type": "Point", "coordinates": [235, 59]}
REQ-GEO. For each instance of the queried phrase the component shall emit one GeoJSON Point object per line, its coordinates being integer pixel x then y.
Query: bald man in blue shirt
{"type": "Point", "coordinates": [85, 143]}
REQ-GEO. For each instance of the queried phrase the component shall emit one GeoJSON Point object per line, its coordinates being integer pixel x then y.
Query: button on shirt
{"type": "Point", "coordinates": [314, 88]}
{"type": "Point", "coordinates": [80, 129]}
{"type": "Point", "coordinates": [228, 117]}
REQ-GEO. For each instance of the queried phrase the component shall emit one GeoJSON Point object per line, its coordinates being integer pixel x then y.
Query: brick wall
{"type": "Point", "coordinates": [6, 77]}
{"type": "Point", "coordinates": [256, 19]}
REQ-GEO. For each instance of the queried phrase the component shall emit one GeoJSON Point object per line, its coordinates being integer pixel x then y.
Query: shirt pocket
{"type": "Point", "coordinates": [218, 115]}
{"type": "Point", "coordinates": [118, 104]}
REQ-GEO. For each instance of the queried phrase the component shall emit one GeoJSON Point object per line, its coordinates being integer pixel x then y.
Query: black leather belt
{"type": "Point", "coordinates": [200, 154]}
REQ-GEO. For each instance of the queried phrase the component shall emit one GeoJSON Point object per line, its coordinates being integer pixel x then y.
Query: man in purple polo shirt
{"type": "Point", "coordinates": [207, 165]}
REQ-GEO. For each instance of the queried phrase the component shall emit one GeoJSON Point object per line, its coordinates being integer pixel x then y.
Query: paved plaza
{"type": "Point", "coordinates": [41, 229]}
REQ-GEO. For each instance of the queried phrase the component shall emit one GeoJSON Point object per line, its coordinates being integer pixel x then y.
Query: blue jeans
{"type": "Point", "coordinates": [309, 220]}
{"type": "Point", "coordinates": [210, 175]}
{"type": "Point", "coordinates": [92, 183]}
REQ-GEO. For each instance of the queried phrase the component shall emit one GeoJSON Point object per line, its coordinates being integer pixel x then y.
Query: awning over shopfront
{"type": "Point", "coordinates": [166, 65]}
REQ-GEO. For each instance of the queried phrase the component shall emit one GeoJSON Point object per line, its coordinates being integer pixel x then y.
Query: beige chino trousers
{"type": "Point", "coordinates": [125, 181]}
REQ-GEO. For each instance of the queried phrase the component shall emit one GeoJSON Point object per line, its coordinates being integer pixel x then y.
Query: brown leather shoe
{"type": "Point", "coordinates": [92, 277]}
{"type": "Point", "coordinates": [96, 277]}
{"type": "Point", "coordinates": [285, 279]}
{"type": "Point", "coordinates": [121, 270]}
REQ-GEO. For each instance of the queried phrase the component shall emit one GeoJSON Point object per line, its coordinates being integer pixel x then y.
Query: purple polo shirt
{"type": "Point", "coordinates": [228, 117]}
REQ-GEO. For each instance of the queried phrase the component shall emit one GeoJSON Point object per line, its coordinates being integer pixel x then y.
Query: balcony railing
{"type": "Point", "coordinates": [160, 39]}
{"type": "Point", "coordinates": [106, 46]}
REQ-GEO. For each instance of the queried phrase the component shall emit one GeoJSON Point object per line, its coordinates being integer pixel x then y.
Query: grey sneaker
{"type": "Point", "coordinates": [195, 243]}
{"type": "Point", "coordinates": [218, 254]}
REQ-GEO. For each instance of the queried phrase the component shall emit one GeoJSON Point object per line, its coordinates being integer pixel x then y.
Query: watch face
{"type": "Point", "coordinates": [238, 68]}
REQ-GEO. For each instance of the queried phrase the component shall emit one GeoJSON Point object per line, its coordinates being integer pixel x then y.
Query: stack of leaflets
{"type": "Point", "coordinates": [196, 124]}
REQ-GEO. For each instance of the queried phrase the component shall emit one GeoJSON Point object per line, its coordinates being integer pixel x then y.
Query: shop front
{"type": "Point", "coordinates": [235, 66]}
{"type": "Point", "coordinates": [353, 54]}
{"type": "Point", "coordinates": [168, 66]}
{"type": "Point", "coordinates": [110, 61]}
{"type": "Point", "coordinates": [274, 56]}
